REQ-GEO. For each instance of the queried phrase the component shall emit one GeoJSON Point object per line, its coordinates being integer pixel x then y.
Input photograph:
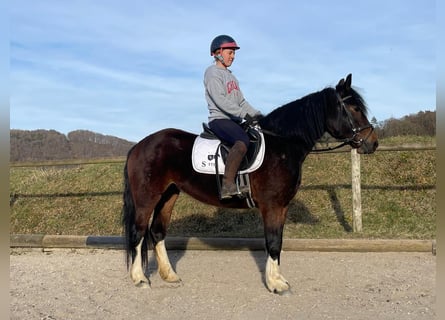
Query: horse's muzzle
{"type": "Point", "coordinates": [369, 145]}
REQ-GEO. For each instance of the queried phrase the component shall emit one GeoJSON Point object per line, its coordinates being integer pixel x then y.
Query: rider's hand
{"type": "Point", "coordinates": [252, 121]}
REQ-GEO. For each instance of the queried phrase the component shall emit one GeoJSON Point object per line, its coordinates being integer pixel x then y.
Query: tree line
{"type": "Point", "coordinates": [421, 124]}
{"type": "Point", "coordinates": [41, 145]}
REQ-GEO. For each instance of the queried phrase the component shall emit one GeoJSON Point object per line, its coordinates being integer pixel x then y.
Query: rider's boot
{"type": "Point", "coordinates": [233, 161]}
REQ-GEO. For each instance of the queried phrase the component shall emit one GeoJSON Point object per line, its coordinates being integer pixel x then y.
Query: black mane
{"type": "Point", "coordinates": [304, 119]}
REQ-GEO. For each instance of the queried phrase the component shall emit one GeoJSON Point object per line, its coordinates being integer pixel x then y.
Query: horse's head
{"type": "Point", "coordinates": [348, 121]}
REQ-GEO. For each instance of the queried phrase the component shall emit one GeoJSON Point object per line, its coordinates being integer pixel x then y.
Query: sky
{"type": "Point", "coordinates": [130, 68]}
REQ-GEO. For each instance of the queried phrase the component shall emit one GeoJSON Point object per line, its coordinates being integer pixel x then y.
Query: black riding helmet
{"type": "Point", "coordinates": [222, 41]}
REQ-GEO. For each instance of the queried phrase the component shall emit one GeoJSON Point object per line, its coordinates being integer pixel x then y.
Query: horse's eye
{"type": "Point", "coordinates": [355, 108]}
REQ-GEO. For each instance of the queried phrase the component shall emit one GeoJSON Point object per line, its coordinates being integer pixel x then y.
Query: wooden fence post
{"type": "Point", "coordinates": [356, 192]}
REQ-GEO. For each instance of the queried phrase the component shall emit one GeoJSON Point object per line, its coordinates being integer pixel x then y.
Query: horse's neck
{"type": "Point", "coordinates": [303, 119]}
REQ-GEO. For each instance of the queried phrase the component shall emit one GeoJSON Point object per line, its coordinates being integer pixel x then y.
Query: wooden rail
{"type": "Point", "coordinates": [70, 162]}
{"type": "Point", "coordinates": [355, 172]}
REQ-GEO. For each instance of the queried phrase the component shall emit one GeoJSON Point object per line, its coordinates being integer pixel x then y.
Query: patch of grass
{"type": "Point", "coordinates": [398, 200]}
{"type": "Point", "coordinates": [423, 141]}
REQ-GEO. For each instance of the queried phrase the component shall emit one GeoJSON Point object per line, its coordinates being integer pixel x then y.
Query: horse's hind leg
{"type": "Point", "coordinates": [137, 274]}
{"type": "Point", "coordinates": [138, 230]}
{"type": "Point", "coordinates": [158, 231]}
{"type": "Point", "coordinates": [136, 217]}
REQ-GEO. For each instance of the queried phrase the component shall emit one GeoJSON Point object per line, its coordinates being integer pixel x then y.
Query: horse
{"type": "Point", "coordinates": [159, 167]}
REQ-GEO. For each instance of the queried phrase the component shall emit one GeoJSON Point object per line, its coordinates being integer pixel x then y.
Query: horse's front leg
{"type": "Point", "coordinates": [275, 281]}
{"type": "Point", "coordinates": [273, 230]}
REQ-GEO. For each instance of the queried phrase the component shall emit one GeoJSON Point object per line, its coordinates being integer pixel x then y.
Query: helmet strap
{"type": "Point", "coordinates": [220, 57]}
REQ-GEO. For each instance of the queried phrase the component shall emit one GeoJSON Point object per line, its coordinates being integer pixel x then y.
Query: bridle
{"type": "Point", "coordinates": [355, 130]}
{"type": "Point", "coordinates": [352, 141]}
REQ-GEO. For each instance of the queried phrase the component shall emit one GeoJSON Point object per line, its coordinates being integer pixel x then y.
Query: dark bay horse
{"type": "Point", "coordinates": [159, 167]}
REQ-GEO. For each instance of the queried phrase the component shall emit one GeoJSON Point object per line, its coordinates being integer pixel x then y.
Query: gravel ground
{"type": "Point", "coordinates": [94, 284]}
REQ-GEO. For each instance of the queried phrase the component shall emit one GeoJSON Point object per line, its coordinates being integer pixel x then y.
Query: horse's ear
{"type": "Point", "coordinates": [348, 81]}
{"type": "Point", "coordinates": [344, 86]}
{"type": "Point", "coordinates": [340, 87]}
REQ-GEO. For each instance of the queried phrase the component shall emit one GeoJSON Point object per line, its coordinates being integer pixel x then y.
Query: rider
{"type": "Point", "coordinates": [227, 109]}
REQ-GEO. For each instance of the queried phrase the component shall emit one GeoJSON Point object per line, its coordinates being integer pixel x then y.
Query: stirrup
{"type": "Point", "coordinates": [229, 192]}
{"type": "Point", "coordinates": [244, 189]}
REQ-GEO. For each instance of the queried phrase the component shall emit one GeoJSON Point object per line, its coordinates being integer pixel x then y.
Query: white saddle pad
{"type": "Point", "coordinates": [204, 159]}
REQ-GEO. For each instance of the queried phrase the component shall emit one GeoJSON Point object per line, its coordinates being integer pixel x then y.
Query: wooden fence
{"type": "Point", "coordinates": [355, 173]}
{"type": "Point", "coordinates": [356, 182]}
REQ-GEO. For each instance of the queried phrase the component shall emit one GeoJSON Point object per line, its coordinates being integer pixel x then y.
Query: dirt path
{"type": "Point", "coordinates": [93, 284]}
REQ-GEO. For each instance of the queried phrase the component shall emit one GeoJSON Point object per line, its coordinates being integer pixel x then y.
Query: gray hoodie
{"type": "Point", "coordinates": [224, 97]}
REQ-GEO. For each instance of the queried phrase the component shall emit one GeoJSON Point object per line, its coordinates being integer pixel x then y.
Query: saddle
{"type": "Point", "coordinates": [209, 154]}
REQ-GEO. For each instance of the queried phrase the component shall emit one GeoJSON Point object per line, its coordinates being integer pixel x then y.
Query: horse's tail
{"type": "Point", "coordinates": [129, 222]}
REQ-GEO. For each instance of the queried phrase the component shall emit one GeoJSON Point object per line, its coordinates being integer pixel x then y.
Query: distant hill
{"type": "Point", "coordinates": [41, 145]}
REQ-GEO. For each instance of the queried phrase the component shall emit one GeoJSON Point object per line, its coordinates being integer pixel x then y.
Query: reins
{"type": "Point", "coordinates": [270, 133]}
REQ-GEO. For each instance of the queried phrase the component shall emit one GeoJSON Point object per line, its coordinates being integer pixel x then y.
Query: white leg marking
{"type": "Point", "coordinates": [136, 271]}
{"type": "Point", "coordinates": [275, 282]}
{"type": "Point", "coordinates": [165, 269]}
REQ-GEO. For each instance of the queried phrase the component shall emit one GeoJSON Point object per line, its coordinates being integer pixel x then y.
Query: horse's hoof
{"type": "Point", "coordinates": [173, 279]}
{"type": "Point", "coordinates": [281, 288]}
{"type": "Point", "coordinates": [284, 293]}
{"type": "Point", "coordinates": [169, 276]}
{"type": "Point", "coordinates": [142, 284]}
